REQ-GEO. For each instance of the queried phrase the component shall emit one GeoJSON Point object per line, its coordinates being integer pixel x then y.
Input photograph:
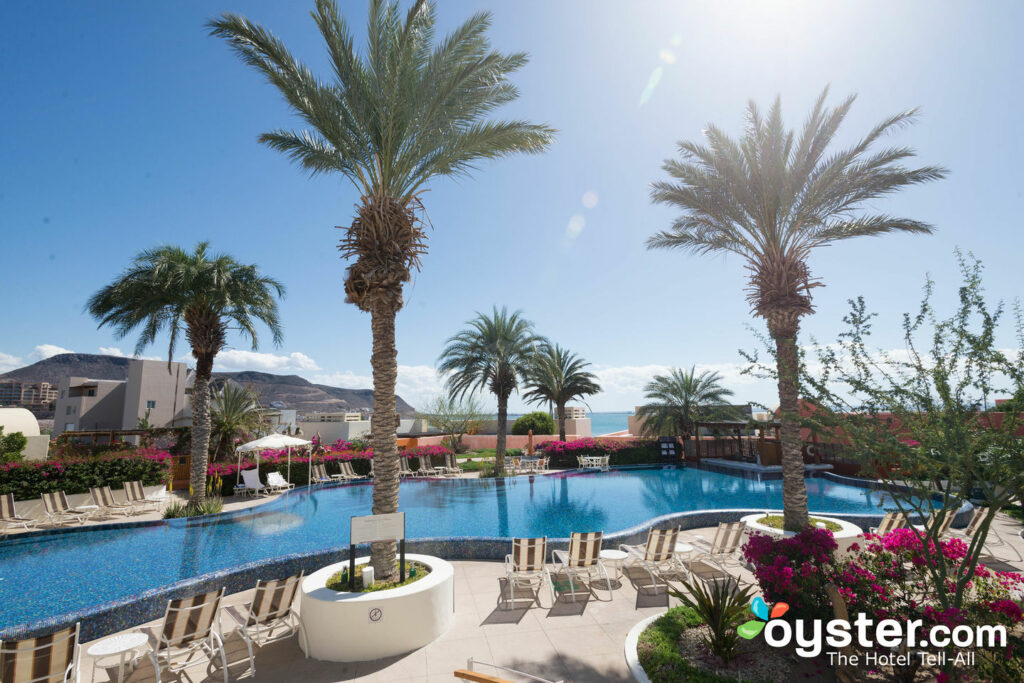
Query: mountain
{"type": "Point", "coordinates": [291, 390]}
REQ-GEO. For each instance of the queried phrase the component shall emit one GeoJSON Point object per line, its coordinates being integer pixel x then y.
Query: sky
{"type": "Point", "coordinates": [126, 126]}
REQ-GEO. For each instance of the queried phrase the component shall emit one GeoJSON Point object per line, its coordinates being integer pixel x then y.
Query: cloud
{"type": "Point", "coordinates": [575, 226]}
{"type": "Point", "coordinates": [590, 199]}
{"type": "Point", "coordinates": [234, 360]}
{"type": "Point", "coordinates": [44, 351]}
{"type": "Point", "coordinates": [416, 384]}
{"type": "Point", "coordinates": [9, 362]}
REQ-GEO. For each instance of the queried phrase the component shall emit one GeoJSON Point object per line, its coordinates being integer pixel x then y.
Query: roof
{"type": "Point", "coordinates": [18, 420]}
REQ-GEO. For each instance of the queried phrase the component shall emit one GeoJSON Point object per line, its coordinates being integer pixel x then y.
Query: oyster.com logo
{"type": "Point", "coordinates": [752, 628]}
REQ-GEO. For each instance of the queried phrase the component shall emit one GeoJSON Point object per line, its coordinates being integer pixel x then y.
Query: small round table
{"type": "Point", "coordinates": [120, 646]}
{"type": "Point", "coordinates": [616, 556]}
{"type": "Point", "coordinates": [683, 549]}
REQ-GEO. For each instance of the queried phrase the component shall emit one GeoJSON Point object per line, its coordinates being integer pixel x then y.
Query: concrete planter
{"type": "Point", "coordinates": [632, 659]}
{"type": "Point", "coordinates": [846, 535]}
{"type": "Point", "coordinates": [358, 627]}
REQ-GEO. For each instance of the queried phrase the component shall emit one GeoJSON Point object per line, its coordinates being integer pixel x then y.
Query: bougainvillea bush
{"type": "Point", "coordinates": [27, 480]}
{"type": "Point", "coordinates": [564, 454]}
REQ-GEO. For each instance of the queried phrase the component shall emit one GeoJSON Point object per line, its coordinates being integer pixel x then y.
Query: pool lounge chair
{"type": "Point", "coordinates": [992, 540]}
{"type": "Point", "coordinates": [349, 473]}
{"type": "Point", "coordinates": [942, 525]}
{"type": "Point", "coordinates": [270, 616]}
{"type": "Point", "coordinates": [891, 522]}
{"type": "Point", "coordinates": [189, 635]}
{"type": "Point", "coordinates": [103, 499]}
{"type": "Point", "coordinates": [58, 511]}
{"type": "Point", "coordinates": [43, 659]}
{"type": "Point", "coordinates": [136, 496]}
{"type": "Point", "coordinates": [252, 484]}
{"type": "Point", "coordinates": [451, 465]}
{"type": "Point", "coordinates": [582, 561]}
{"type": "Point", "coordinates": [426, 468]}
{"type": "Point", "coordinates": [722, 549]}
{"type": "Point", "coordinates": [9, 516]}
{"type": "Point", "coordinates": [277, 484]}
{"type": "Point", "coordinates": [526, 567]}
{"type": "Point", "coordinates": [318, 475]}
{"type": "Point", "coordinates": [470, 674]}
{"type": "Point", "coordinates": [403, 467]}
{"type": "Point", "coordinates": [657, 556]}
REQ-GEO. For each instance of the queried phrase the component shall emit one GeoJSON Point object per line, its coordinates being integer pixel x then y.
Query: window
{"type": "Point", "coordinates": [150, 405]}
{"type": "Point", "coordinates": [90, 392]}
{"type": "Point", "coordinates": [70, 410]}
{"type": "Point", "coordinates": [69, 427]}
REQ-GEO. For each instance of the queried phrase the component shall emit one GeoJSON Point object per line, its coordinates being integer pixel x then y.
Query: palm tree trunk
{"type": "Point", "coordinates": [200, 428]}
{"type": "Point", "coordinates": [384, 431]}
{"type": "Point", "coordinates": [794, 488]}
{"type": "Point", "coordinates": [561, 421]}
{"type": "Point", "coordinates": [499, 450]}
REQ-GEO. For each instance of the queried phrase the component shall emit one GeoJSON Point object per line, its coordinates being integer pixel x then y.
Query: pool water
{"type": "Point", "coordinates": [51, 575]}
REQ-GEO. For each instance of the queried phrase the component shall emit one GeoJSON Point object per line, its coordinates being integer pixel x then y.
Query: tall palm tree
{"type": "Point", "coordinates": [389, 120]}
{"type": "Point", "coordinates": [772, 197]}
{"type": "Point", "coordinates": [676, 401]}
{"type": "Point", "coordinates": [236, 410]}
{"type": "Point", "coordinates": [558, 376]}
{"type": "Point", "coordinates": [494, 352]}
{"type": "Point", "coordinates": [201, 293]}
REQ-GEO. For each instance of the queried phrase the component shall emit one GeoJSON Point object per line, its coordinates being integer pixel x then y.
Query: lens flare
{"type": "Point", "coordinates": [589, 199]}
{"type": "Point", "coordinates": [652, 83]}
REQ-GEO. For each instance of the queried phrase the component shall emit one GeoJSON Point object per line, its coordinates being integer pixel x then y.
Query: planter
{"type": "Point", "coordinates": [358, 627]}
{"type": "Point", "coordinates": [632, 659]}
{"type": "Point", "coordinates": [846, 535]}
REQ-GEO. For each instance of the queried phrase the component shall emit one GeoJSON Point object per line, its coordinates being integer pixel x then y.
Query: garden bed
{"type": "Point", "coordinates": [414, 571]}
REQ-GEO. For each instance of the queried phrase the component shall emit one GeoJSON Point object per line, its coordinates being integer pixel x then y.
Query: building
{"type": "Point", "coordinates": [575, 413]}
{"type": "Point", "coordinates": [27, 394]}
{"type": "Point", "coordinates": [332, 417]}
{"type": "Point", "coordinates": [20, 420]}
{"type": "Point", "coordinates": [151, 393]}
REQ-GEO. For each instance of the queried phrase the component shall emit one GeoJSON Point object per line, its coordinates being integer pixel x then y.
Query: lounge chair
{"type": "Point", "coordinates": [891, 522]}
{"type": "Point", "coordinates": [9, 516]}
{"type": "Point", "coordinates": [942, 526]}
{"type": "Point", "coordinates": [426, 468]}
{"type": "Point", "coordinates": [269, 616]}
{"type": "Point", "coordinates": [348, 473]}
{"type": "Point", "coordinates": [470, 674]}
{"type": "Point", "coordinates": [451, 465]}
{"type": "Point", "coordinates": [526, 567]}
{"type": "Point", "coordinates": [318, 475]}
{"type": "Point", "coordinates": [657, 556]}
{"type": "Point", "coordinates": [252, 484]}
{"type": "Point", "coordinates": [103, 499]}
{"type": "Point", "coordinates": [723, 548]}
{"type": "Point", "coordinates": [276, 483]}
{"type": "Point", "coordinates": [58, 511]}
{"type": "Point", "coordinates": [403, 467]}
{"type": "Point", "coordinates": [136, 496]}
{"type": "Point", "coordinates": [189, 635]}
{"type": "Point", "coordinates": [993, 539]}
{"type": "Point", "coordinates": [581, 561]}
{"type": "Point", "coordinates": [43, 659]}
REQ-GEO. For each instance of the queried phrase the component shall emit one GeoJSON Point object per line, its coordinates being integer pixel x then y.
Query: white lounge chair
{"type": "Point", "coordinates": [43, 659]}
{"type": "Point", "coordinates": [350, 473]}
{"type": "Point", "coordinates": [251, 482]}
{"type": "Point", "coordinates": [657, 556]}
{"type": "Point", "coordinates": [470, 674]}
{"type": "Point", "coordinates": [942, 525]}
{"type": "Point", "coordinates": [426, 468]}
{"type": "Point", "coordinates": [136, 496]}
{"type": "Point", "coordinates": [526, 567]}
{"type": "Point", "coordinates": [103, 499]}
{"type": "Point", "coordinates": [189, 635]}
{"type": "Point", "coordinates": [992, 540]}
{"type": "Point", "coordinates": [318, 475]}
{"type": "Point", "coordinates": [58, 511]}
{"type": "Point", "coordinates": [581, 562]}
{"type": "Point", "coordinates": [891, 522]}
{"type": "Point", "coordinates": [403, 467]}
{"type": "Point", "coordinates": [723, 548]}
{"type": "Point", "coordinates": [269, 616]}
{"type": "Point", "coordinates": [451, 465]}
{"type": "Point", "coordinates": [9, 516]}
{"type": "Point", "coordinates": [276, 483]}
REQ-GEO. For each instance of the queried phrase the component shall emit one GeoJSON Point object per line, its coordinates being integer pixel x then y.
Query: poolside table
{"type": "Point", "coordinates": [615, 556]}
{"type": "Point", "coordinates": [119, 646]}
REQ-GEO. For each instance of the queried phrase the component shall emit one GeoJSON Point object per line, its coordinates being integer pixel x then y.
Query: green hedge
{"type": "Point", "coordinates": [539, 421]}
{"type": "Point", "coordinates": [658, 650]}
{"type": "Point", "coordinates": [641, 453]}
{"type": "Point", "coordinates": [28, 480]}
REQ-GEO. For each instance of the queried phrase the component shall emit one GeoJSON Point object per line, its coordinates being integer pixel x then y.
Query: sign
{"type": "Point", "coordinates": [390, 527]}
{"type": "Point", "coordinates": [375, 615]}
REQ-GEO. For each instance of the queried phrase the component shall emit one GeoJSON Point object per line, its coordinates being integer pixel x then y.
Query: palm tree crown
{"type": "Point", "coordinates": [558, 376]}
{"type": "Point", "coordinates": [494, 352]}
{"type": "Point", "coordinates": [235, 410]}
{"type": "Point", "coordinates": [676, 401]}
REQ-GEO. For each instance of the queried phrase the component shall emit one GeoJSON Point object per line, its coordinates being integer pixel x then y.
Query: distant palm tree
{"type": "Point", "coordinates": [558, 376]}
{"type": "Point", "coordinates": [202, 294]}
{"type": "Point", "coordinates": [236, 410]}
{"type": "Point", "coordinates": [494, 353]}
{"type": "Point", "coordinates": [389, 120]}
{"type": "Point", "coordinates": [772, 198]}
{"type": "Point", "coordinates": [678, 400]}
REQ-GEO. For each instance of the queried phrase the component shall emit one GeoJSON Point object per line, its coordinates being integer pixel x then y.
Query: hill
{"type": "Point", "coordinates": [291, 390]}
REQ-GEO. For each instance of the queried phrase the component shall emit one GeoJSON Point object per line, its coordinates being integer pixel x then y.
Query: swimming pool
{"type": "Point", "coordinates": [45, 576]}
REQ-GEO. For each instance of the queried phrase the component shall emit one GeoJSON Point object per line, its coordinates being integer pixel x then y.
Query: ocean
{"type": "Point", "coordinates": [600, 423]}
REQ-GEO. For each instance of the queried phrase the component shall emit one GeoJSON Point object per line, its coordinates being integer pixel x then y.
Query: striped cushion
{"type": "Point", "coordinates": [273, 599]}
{"type": "Point", "coordinates": [7, 506]}
{"type": "Point", "coordinates": [528, 554]}
{"type": "Point", "coordinates": [584, 549]}
{"type": "Point", "coordinates": [728, 537]}
{"type": "Point", "coordinates": [44, 658]}
{"type": "Point", "coordinates": [661, 544]}
{"type": "Point", "coordinates": [190, 619]}
{"type": "Point", "coordinates": [134, 492]}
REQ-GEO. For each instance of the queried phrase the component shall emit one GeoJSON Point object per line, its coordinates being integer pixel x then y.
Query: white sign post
{"type": "Point", "coordinates": [372, 528]}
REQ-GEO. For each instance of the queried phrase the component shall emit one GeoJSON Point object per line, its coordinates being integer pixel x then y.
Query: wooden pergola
{"type": "Point", "coordinates": [735, 428]}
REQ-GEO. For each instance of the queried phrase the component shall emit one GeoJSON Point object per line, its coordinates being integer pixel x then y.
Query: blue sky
{"type": "Point", "coordinates": [126, 126]}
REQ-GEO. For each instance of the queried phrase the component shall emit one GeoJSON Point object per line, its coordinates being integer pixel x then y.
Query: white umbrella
{"type": "Point", "coordinates": [272, 442]}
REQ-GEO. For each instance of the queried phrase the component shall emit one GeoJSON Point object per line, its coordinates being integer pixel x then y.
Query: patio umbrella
{"type": "Point", "coordinates": [275, 442]}
{"type": "Point", "coordinates": [529, 442]}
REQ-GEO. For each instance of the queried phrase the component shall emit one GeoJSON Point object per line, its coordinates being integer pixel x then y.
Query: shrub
{"type": "Point", "coordinates": [539, 421]}
{"type": "Point", "coordinates": [27, 480]}
{"type": "Point", "coordinates": [210, 506]}
{"type": "Point", "coordinates": [793, 569]}
{"type": "Point", "coordinates": [721, 607]}
{"type": "Point", "coordinates": [658, 651]}
{"type": "Point", "coordinates": [564, 454]}
{"type": "Point", "coordinates": [12, 446]}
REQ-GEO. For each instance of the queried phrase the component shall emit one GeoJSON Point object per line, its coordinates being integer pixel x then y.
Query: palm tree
{"type": "Point", "coordinates": [772, 198]}
{"type": "Point", "coordinates": [202, 294]}
{"type": "Point", "coordinates": [389, 120]}
{"type": "Point", "coordinates": [495, 352]}
{"type": "Point", "coordinates": [236, 410]}
{"type": "Point", "coordinates": [557, 376]}
{"type": "Point", "coordinates": [676, 401]}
